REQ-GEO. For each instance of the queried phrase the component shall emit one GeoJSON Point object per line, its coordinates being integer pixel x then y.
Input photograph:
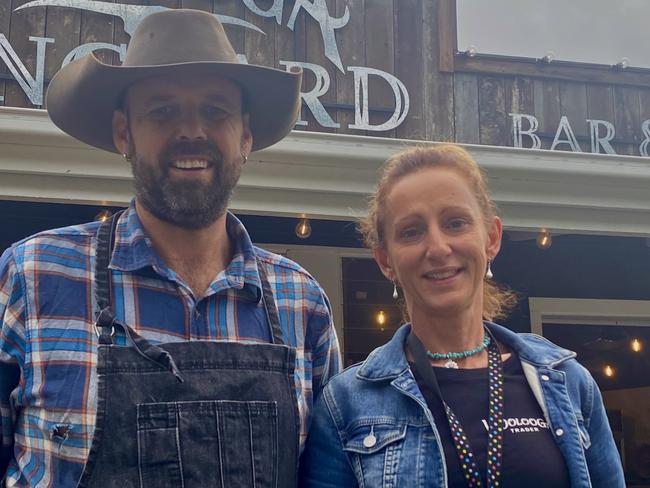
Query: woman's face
{"type": "Point", "coordinates": [437, 243]}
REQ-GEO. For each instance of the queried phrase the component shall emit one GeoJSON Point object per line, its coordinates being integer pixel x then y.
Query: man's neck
{"type": "Point", "coordinates": [196, 255]}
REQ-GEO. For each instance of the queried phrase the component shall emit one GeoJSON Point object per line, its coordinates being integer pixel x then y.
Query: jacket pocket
{"type": "Point", "coordinates": [375, 449]}
{"type": "Point", "coordinates": [207, 444]}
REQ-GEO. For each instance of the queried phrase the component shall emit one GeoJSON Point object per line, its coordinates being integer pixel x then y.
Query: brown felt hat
{"type": "Point", "coordinates": [83, 95]}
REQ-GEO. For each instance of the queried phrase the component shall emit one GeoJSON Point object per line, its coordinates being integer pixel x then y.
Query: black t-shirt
{"type": "Point", "coordinates": [530, 456]}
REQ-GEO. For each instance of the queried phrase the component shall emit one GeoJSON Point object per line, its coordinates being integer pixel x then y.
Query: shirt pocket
{"type": "Point", "coordinates": [375, 448]}
{"type": "Point", "coordinates": [208, 444]}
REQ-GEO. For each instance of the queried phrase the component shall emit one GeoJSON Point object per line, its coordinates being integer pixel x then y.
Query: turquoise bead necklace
{"type": "Point", "coordinates": [452, 356]}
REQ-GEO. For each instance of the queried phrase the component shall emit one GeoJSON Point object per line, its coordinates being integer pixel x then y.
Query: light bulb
{"type": "Point", "coordinates": [544, 239]}
{"type": "Point", "coordinates": [381, 317]}
{"type": "Point", "coordinates": [609, 371]}
{"type": "Point", "coordinates": [624, 63]}
{"type": "Point", "coordinates": [471, 51]}
{"type": "Point", "coordinates": [636, 345]}
{"type": "Point", "coordinates": [103, 216]}
{"type": "Point", "coordinates": [549, 57]}
{"type": "Point", "coordinates": [303, 229]}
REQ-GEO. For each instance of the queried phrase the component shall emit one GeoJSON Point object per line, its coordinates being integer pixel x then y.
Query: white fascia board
{"type": "Point", "coordinates": [331, 175]}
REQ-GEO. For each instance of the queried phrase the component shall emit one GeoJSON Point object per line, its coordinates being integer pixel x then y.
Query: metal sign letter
{"type": "Point", "coordinates": [597, 141]}
{"type": "Point", "coordinates": [32, 86]}
{"type": "Point", "coordinates": [311, 98]}
{"type": "Point", "coordinates": [361, 113]}
{"type": "Point", "coordinates": [571, 140]}
{"type": "Point", "coordinates": [518, 132]}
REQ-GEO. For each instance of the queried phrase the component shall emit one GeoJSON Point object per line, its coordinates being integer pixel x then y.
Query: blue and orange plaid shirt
{"type": "Point", "coordinates": [48, 348]}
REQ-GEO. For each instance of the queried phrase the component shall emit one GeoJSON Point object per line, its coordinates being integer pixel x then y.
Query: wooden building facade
{"type": "Point", "coordinates": [380, 75]}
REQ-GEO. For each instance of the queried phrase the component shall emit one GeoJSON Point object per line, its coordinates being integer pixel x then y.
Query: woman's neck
{"type": "Point", "coordinates": [455, 333]}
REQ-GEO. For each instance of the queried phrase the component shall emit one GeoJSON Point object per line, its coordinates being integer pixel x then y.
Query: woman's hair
{"type": "Point", "coordinates": [497, 301]}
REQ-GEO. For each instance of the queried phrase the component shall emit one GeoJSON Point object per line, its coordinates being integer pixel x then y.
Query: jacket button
{"type": "Point", "coordinates": [369, 441]}
{"type": "Point", "coordinates": [559, 432]}
{"type": "Point", "coordinates": [545, 377]}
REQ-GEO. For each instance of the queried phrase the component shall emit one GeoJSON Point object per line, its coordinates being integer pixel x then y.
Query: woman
{"type": "Point", "coordinates": [454, 399]}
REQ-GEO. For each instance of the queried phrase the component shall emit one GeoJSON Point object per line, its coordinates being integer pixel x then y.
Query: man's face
{"type": "Point", "coordinates": [187, 139]}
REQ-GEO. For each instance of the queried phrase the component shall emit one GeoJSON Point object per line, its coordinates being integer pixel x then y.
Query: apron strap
{"type": "Point", "coordinates": [269, 305]}
{"type": "Point", "coordinates": [106, 320]}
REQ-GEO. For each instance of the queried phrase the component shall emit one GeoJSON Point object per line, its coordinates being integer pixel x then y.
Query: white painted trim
{"type": "Point", "coordinates": [587, 312]}
{"type": "Point", "coordinates": [330, 176]}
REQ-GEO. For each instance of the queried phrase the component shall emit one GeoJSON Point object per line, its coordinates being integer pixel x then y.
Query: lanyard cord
{"type": "Point", "coordinates": [495, 414]}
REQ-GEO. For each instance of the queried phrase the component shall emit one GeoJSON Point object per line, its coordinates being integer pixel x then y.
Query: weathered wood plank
{"type": "Point", "coordinates": [600, 104]}
{"type": "Point", "coordinates": [97, 27]}
{"type": "Point", "coordinates": [438, 87]}
{"type": "Point", "coordinates": [63, 25]}
{"type": "Point", "coordinates": [492, 111]}
{"type": "Point", "coordinates": [260, 48]}
{"type": "Point", "coordinates": [315, 53]}
{"type": "Point", "coordinates": [205, 5]}
{"type": "Point", "coordinates": [380, 54]}
{"type": "Point", "coordinates": [5, 20]}
{"type": "Point", "coordinates": [547, 109]}
{"type": "Point", "coordinates": [573, 104]}
{"type": "Point", "coordinates": [466, 109]}
{"type": "Point", "coordinates": [627, 118]}
{"type": "Point", "coordinates": [24, 23]}
{"type": "Point", "coordinates": [520, 99]}
{"type": "Point", "coordinates": [119, 36]}
{"type": "Point", "coordinates": [409, 64]}
{"type": "Point", "coordinates": [237, 35]}
{"type": "Point", "coordinates": [644, 111]}
{"type": "Point", "coordinates": [352, 47]}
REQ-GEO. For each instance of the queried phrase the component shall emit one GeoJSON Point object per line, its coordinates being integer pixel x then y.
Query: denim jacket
{"type": "Point", "coordinates": [380, 396]}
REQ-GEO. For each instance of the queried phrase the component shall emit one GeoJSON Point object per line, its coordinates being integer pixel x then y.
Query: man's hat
{"type": "Point", "coordinates": [83, 95]}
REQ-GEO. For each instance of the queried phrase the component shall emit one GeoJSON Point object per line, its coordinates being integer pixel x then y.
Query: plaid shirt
{"type": "Point", "coordinates": [48, 349]}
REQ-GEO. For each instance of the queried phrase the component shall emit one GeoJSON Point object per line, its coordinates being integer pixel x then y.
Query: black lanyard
{"type": "Point", "coordinates": [495, 417]}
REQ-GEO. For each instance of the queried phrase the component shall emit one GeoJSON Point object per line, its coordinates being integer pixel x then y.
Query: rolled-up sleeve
{"type": "Point", "coordinates": [12, 352]}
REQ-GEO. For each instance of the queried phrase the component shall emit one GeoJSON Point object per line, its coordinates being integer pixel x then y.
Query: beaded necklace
{"type": "Point", "coordinates": [452, 356]}
{"type": "Point", "coordinates": [495, 415]}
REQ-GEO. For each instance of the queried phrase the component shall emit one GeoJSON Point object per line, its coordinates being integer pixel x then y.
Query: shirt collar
{"type": "Point", "coordinates": [133, 250]}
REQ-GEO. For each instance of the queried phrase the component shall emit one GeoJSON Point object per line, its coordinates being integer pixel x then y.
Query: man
{"type": "Point", "coordinates": [161, 348]}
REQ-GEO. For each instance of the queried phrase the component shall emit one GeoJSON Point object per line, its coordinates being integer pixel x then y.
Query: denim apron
{"type": "Point", "coordinates": [190, 414]}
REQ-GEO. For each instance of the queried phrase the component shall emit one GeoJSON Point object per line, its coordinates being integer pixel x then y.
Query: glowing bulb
{"type": "Point", "coordinates": [103, 216]}
{"type": "Point", "coordinates": [303, 229]}
{"type": "Point", "coordinates": [636, 345]}
{"type": "Point", "coordinates": [544, 239]}
{"type": "Point", "coordinates": [381, 317]}
{"type": "Point", "coordinates": [609, 371]}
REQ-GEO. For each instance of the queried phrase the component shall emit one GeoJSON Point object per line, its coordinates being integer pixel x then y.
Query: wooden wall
{"type": "Point", "coordinates": [397, 36]}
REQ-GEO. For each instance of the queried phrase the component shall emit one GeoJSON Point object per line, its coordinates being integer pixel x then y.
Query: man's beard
{"type": "Point", "coordinates": [183, 202]}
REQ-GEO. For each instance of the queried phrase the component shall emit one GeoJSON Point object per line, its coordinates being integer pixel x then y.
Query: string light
{"type": "Point", "coordinates": [103, 216]}
{"type": "Point", "coordinates": [609, 371]}
{"type": "Point", "coordinates": [303, 229]}
{"type": "Point", "coordinates": [544, 239]}
{"type": "Point", "coordinates": [381, 317]}
{"type": "Point", "coordinates": [636, 345]}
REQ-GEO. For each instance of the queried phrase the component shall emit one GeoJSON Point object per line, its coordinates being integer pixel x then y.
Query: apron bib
{"type": "Point", "coordinates": [190, 414]}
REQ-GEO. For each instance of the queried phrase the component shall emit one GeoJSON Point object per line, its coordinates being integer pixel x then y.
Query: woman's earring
{"type": "Point", "coordinates": [488, 273]}
{"type": "Point", "coordinates": [395, 294]}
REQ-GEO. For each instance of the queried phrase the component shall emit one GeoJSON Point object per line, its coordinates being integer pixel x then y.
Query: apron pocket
{"type": "Point", "coordinates": [208, 444]}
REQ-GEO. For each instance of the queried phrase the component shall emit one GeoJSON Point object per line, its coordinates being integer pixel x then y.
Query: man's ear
{"type": "Point", "coordinates": [121, 133]}
{"type": "Point", "coordinates": [383, 261]}
{"type": "Point", "coordinates": [247, 135]}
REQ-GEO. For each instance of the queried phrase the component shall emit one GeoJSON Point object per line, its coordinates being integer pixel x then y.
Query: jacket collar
{"type": "Point", "coordinates": [389, 361]}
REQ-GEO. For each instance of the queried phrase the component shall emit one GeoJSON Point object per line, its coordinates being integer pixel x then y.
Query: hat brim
{"type": "Point", "coordinates": [83, 95]}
